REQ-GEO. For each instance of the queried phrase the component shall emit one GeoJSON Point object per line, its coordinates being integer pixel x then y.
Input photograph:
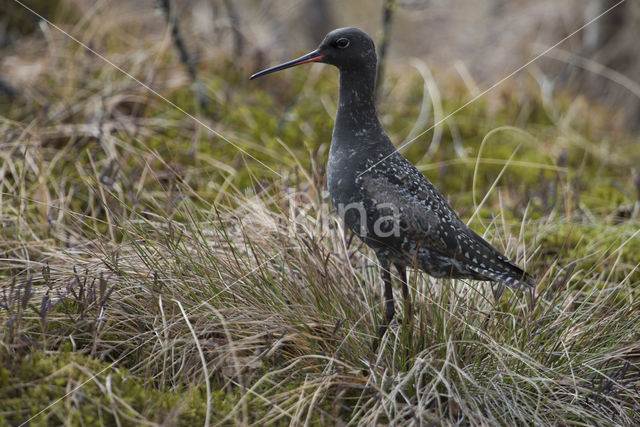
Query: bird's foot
{"type": "Point", "coordinates": [376, 341]}
{"type": "Point", "coordinates": [408, 309]}
{"type": "Point", "coordinates": [389, 311]}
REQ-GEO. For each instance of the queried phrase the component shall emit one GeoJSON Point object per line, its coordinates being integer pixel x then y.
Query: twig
{"type": "Point", "coordinates": [185, 58]}
{"type": "Point", "coordinates": [234, 23]}
{"type": "Point", "coordinates": [387, 15]}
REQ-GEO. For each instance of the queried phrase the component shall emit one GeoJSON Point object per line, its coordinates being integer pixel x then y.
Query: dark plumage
{"type": "Point", "coordinates": [381, 196]}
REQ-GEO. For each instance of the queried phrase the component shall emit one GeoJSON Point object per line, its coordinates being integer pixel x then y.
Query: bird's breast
{"type": "Point", "coordinates": [345, 164]}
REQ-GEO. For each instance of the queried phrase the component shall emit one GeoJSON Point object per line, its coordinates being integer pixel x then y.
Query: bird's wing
{"type": "Point", "coordinates": [428, 221]}
{"type": "Point", "coordinates": [423, 213]}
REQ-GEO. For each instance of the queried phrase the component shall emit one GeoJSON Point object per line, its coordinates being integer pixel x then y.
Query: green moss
{"type": "Point", "coordinates": [40, 380]}
{"type": "Point", "coordinates": [84, 388]}
{"type": "Point", "coordinates": [600, 249]}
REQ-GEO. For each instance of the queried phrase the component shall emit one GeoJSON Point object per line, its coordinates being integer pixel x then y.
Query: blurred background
{"type": "Point", "coordinates": [479, 42]}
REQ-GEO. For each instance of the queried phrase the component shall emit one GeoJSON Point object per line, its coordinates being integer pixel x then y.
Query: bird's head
{"type": "Point", "coordinates": [346, 48]}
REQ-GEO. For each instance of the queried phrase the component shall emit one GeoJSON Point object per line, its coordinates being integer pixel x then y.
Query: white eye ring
{"type": "Point", "coordinates": [342, 42]}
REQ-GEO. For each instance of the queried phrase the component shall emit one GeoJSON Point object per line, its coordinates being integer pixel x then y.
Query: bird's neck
{"type": "Point", "coordinates": [356, 103]}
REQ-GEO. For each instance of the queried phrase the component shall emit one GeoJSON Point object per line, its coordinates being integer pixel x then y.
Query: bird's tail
{"type": "Point", "coordinates": [515, 277]}
{"type": "Point", "coordinates": [496, 267]}
{"type": "Point", "coordinates": [506, 272]}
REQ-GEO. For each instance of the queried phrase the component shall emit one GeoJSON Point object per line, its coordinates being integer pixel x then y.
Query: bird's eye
{"type": "Point", "coordinates": [342, 43]}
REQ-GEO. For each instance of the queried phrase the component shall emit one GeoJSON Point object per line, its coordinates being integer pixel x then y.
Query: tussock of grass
{"type": "Point", "coordinates": [152, 274]}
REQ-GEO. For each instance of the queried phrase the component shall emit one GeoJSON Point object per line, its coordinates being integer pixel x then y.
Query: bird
{"type": "Point", "coordinates": [382, 197]}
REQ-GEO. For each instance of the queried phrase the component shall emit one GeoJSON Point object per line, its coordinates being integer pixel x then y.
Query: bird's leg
{"type": "Point", "coordinates": [402, 271]}
{"type": "Point", "coordinates": [389, 309]}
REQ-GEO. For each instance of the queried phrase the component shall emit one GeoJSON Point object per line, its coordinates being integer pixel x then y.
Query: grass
{"type": "Point", "coordinates": [152, 273]}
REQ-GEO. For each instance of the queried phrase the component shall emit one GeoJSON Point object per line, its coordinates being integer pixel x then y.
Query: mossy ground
{"type": "Point", "coordinates": [90, 392]}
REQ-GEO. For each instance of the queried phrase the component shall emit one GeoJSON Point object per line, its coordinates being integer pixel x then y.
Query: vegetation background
{"type": "Point", "coordinates": [168, 254]}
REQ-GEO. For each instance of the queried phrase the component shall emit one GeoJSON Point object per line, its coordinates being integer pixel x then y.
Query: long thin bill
{"type": "Point", "coordinates": [314, 56]}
